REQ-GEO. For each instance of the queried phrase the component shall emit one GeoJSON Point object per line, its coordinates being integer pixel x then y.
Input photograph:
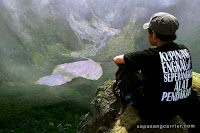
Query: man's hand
{"type": "Point", "coordinates": [119, 60]}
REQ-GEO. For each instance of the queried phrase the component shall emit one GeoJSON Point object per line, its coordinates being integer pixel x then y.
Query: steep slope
{"type": "Point", "coordinates": [129, 39]}
{"type": "Point", "coordinates": [191, 40]}
{"type": "Point", "coordinates": [96, 21]}
{"type": "Point", "coordinates": [31, 30]}
{"type": "Point", "coordinates": [32, 41]}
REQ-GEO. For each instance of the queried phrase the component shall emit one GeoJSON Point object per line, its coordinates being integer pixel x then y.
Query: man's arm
{"type": "Point", "coordinates": [119, 60]}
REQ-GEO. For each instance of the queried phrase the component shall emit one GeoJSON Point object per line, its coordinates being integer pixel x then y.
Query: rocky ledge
{"type": "Point", "coordinates": [107, 115]}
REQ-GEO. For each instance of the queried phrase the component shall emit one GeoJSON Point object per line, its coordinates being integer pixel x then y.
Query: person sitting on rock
{"type": "Point", "coordinates": [167, 70]}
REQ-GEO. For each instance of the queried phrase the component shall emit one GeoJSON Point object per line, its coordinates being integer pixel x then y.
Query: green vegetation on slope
{"type": "Point", "coordinates": [191, 40]}
{"type": "Point", "coordinates": [62, 117]}
{"type": "Point", "coordinates": [26, 56]}
{"type": "Point", "coordinates": [38, 108]}
{"type": "Point", "coordinates": [53, 53]}
{"type": "Point", "coordinates": [32, 45]}
{"type": "Point", "coordinates": [131, 38]}
{"type": "Point", "coordinates": [120, 43]}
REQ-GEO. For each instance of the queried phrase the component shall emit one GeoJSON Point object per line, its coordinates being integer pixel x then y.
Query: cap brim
{"type": "Point", "coordinates": [146, 26]}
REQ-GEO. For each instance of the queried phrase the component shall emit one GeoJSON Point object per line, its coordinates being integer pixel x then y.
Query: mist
{"type": "Point", "coordinates": [39, 36]}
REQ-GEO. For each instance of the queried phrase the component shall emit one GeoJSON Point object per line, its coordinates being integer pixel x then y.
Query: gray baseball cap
{"type": "Point", "coordinates": [162, 23]}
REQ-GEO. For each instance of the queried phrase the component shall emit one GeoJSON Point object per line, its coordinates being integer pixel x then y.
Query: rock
{"type": "Point", "coordinates": [130, 122]}
{"type": "Point", "coordinates": [107, 115]}
{"type": "Point", "coordinates": [103, 111]}
{"type": "Point", "coordinates": [102, 129]}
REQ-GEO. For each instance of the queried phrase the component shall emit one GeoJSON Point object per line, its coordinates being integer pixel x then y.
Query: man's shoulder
{"type": "Point", "coordinates": [142, 53]}
{"type": "Point", "coordinates": [150, 51]}
{"type": "Point", "coordinates": [182, 46]}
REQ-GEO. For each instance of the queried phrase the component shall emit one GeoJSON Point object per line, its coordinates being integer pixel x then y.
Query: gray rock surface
{"type": "Point", "coordinates": [103, 111]}
{"type": "Point", "coordinates": [109, 116]}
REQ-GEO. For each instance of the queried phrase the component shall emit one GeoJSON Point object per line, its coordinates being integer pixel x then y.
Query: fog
{"type": "Point", "coordinates": [38, 35]}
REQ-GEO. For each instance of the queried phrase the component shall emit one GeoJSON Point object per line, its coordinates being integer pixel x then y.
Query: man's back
{"type": "Point", "coordinates": [168, 77]}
